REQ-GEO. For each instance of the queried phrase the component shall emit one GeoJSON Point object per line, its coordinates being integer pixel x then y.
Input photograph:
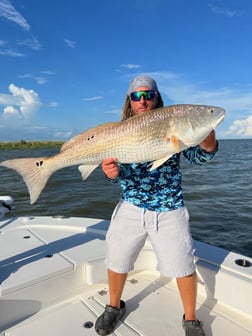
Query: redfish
{"type": "Point", "coordinates": [153, 136]}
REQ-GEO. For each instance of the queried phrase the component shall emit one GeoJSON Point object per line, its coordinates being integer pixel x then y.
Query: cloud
{"type": "Point", "coordinates": [45, 132]}
{"type": "Point", "coordinates": [21, 104]}
{"type": "Point", "coordinates": [224, 11]}
{"type": "Point", "coordinates": [39, 79]}
{"type": "Point", "coordinates": [35, 133]}
{"type": "Point", "coordinates": [131, 66]}
{"type": "Point", "coordinates": [10, 111]}
{"type": "Point", "coordinates": [25, 76]}
{"type": "Point", "coordinates": [53, 104]}
{"type": "Point", "coordinates": [31, 43]}
{"type": "Point", "coordinates": [70, 44]}
{"type": "Point", "coordinates": [179, 90]}
{"type": "Point", "coordinates": [11, 53]}
{"type": "Point", "coordinates": [93, 98]}
{"type": "Point", "coordinates": [9, 12]}
{"type": "Point", "coordinates": [236, 101]}
{"type": "Point", "coordinates": [241, 127]}
{"type": "Point", "coordinates": [48, 72]}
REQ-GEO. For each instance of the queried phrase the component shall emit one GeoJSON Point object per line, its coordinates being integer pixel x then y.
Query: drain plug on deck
{"type": "Point", "coordinates": [88, 324]}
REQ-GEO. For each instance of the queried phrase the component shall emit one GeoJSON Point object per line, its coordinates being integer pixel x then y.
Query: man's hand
{"type": "Point", "coordinates": [210, 143]}
{"type": "Point", "coordinates": [110, 168]}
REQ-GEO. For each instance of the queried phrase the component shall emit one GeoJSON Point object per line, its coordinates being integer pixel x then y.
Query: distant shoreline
{"type": "Point", "coordinates": [22, 144]}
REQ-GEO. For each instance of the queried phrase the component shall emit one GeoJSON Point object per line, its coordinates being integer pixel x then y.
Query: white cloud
{"type": "Point", "coordinates": [41, 80]}
{"type": "Point", "coordinates": [179, 91]}
{"type": "Point", "coordinates": [11, 112]}
{"type": "Point", "coordinates": [236, 102]}
{"type": "Point", "coordinates": [47, 72]}
{"type": "Point", "coordinates": [31, 43]}
{"type": "Point", "coordinates": [49, 133]}
{"type": "Point", "coordinates": [11, 53]}
{"type": "Point", "coordinates": [224, 11]}
{"type": "Point", "coordinates": [93, 98]}
{"type": "Point", "coordinates": [21, 103]}
{"type": "Point", "coordinates": [35, 133]}
{"type": "Point", "coordinates": [11, 14]}
{"type": "Point", "coordinates": [70, 44]}
{"type": "Point", "coordinates": [241, 127]}
{"type": "Point", "coordinates": [25, 76]}
{"type": "Point", "coordinates": [8, 12]}
{"type": "Point", "coordinates": [131, 66]}
{"type": "Point", "coordinates": [53, 104]}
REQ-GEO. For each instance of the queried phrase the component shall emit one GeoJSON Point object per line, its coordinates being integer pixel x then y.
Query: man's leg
{"type": "Point", "coordinates": [106, 322]}
{"type": "Point", "coordinates": [116, 283]}
{"type": "Point", "coordinates": [188, 292]}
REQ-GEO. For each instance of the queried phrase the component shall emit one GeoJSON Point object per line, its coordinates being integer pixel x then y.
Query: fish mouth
{"type": "Point", "coordinates": [220, 119]}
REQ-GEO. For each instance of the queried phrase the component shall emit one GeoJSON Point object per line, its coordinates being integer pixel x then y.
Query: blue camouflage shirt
{"type": "Point", "coordinates": [160, 189]}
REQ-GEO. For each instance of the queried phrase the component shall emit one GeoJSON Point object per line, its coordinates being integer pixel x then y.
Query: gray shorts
{"type": "Point", "coordinates": [168, 232]}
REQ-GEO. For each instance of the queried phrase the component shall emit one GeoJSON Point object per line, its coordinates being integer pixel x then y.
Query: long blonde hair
{"type": "Point", "coordinates": [127, 110]}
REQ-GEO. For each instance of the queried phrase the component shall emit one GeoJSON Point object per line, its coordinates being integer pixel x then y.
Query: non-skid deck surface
{"type": "Point", "coordinates": [153, 308]}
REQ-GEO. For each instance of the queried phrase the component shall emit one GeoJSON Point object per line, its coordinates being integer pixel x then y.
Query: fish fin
{"type": "Point", "coordinates": [155, 164]}
{"type": "Point", "coordinates": [175, 142]}
{"type": "Point", "coordinates": [86, 170]}
{"type": "Point", "coordinates": [34, 173]}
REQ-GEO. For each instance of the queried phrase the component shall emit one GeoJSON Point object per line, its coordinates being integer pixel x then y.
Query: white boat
{"type": "Point", "coordinates": [53, 282]}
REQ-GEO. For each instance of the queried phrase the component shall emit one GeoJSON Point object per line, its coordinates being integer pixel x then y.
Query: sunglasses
{"type": "Point", "coordinates": [147, 94]}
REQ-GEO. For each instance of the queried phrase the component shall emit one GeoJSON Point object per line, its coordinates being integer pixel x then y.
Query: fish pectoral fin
{"type": "Point", "coordinates": [175, 143]}
{"type": "Point", "coordinates": [155, 164]}
{"type": "Point", "coordinates": [86, 170]}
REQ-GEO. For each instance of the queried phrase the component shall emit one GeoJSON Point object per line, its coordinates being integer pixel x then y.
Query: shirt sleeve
{"type": "Point", "coordinates": [198, 155]}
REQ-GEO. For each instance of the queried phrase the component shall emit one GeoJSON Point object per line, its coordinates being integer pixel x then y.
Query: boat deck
{"type": "Point", "coordinates": [152, 309]}
{"type": "Point", "coordinates": [53, 282]}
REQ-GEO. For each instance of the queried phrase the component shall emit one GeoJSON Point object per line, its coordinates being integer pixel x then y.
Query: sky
{"type": "Point", "coordinates": [65, 66]}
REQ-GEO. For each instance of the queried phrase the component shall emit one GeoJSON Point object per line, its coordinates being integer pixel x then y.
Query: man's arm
{"type": "Point", "coordinates": [209, 144]}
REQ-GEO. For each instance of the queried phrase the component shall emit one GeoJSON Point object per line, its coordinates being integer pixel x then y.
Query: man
{"type": "Point", "coordinates": [151, 205]}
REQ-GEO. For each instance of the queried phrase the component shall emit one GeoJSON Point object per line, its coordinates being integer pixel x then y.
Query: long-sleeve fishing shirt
{"type": "Point", "coordinates": [160, 189]}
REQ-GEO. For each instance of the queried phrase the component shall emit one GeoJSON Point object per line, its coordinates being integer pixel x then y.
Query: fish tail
{"type": "Point", "coordinates": [34, 171]}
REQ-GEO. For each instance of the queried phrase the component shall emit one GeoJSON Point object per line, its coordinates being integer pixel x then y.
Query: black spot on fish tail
{"type": "Point", "coordinates": [39, 163]}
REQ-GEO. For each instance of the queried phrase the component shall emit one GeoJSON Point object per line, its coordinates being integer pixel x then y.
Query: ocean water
{"type": "Point", "coordinates": [218, 194]}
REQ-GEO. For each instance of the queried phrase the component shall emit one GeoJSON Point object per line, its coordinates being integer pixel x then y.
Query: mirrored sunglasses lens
{"type": "Point", "coordinates": [135, 96]}
{"type": "Point", "coordinates": [148, 95]}
{"type": "Point", "coordinates": [151, 95]}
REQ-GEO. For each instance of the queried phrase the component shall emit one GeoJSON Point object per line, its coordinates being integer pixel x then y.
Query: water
{"type": "Point", "coordinates": [217, 194]}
